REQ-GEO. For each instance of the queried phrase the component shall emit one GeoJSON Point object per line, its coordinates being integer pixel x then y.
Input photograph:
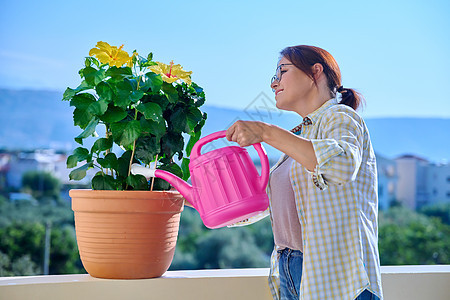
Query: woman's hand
{"type": "Point", "coordinates": [246, 133]}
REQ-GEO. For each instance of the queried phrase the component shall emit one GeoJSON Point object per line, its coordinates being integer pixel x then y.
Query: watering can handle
{"type": "Point", "coordinates": [264, 178]}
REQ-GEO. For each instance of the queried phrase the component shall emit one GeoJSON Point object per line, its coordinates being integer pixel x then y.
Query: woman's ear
{"type": "Point", "coordinates": [317, 70]}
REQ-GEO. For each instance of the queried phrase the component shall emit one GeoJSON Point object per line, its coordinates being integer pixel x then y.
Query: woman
{"type": "Point", "coordinates": [323, 190]}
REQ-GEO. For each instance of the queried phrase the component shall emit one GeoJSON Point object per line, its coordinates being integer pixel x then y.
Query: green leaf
{"type": "Point", "coordinates": [118, 74]}
{"type": "Point", "coordinates": [135, 93]}
{"type": "Point", "coordinates": [82, 100]}
{"type": "Point", "coordinates": [201, 123]}
{"type": "Point", "coordinates": [79, 154]}
{"type": "Point", "coordinates": [72, 161]}
{"type": "Point", "coordinates": [89, 61]}
{"type": "Point", "coordinates": [178, 120]}
{"type": "Point", "coordinates": [109, 161]}
{"type": "Point", "coordinates": [161, 185]}
{"type": "Point", "coordinates": [126, 93]}
{"type": "Point", "coordinates": [199, 100]}
{"type": "Point", "coordinates": [161, 100]}
{"type": "Point", "coordinates": [126, 133]}
{"type": "Point", "coordinates": [134, 57]}
{"type": "Point", "coordinates": [147, 148]}
{"type": "Point", "coordinates": [90, 130]}
{"type": "Point", "coordinates": [151, 111]}
{"type": "Point", "coordinates": [82, 115]}
{"type": "Point", "coordinates": [138, 182]}
{"type": "Point", "coordinates": [80, 172]}
{"type": "Point", "coordinates": [124, 164]}
{"type": "Point", "coordinates": [135, 96]}
{"type": "Point", "coordinates": [69, 93]}
{"type": "Point", "coordinates": [172, 143]}
{"type": "Point", "coordinates": [185, 168]}
{"type": "Point", "coordinates": [193, 117]}
{"type": "Point", "coordinates": [104, 182]}
{"type": "Point", "coordinates": [123, 90]}
{"type": "Point", "coordinates": [170, 91]}
{"type": "Point", "coordinates": [198, 90]}
{"type": "Point", "coordinates": [98, 108]}
{"type": "Point", "coordinates": [93, 76]}
{"type": "Point", "coordinates": [172, 168]}
{"type": "Point", "coordinates": [102, 144]}
{"type": "Point", "coordinates": [154, 81]}
{"type": "Point", "coordinates": [192, 140]}
{"type": "Point", "coordinates": [148, 64]}
{"type": "Point", "coordinates": [113, 114]}
{"type": "Point", "coordinates": [105, 91]}
{"type": "Point", "coordinates": [157, 129]}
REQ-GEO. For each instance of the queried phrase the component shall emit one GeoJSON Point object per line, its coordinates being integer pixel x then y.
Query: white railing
{"type": "Point", "coordinates": [399, 282]}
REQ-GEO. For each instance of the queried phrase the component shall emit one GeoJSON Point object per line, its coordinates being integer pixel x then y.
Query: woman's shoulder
{"type": "Point", "coordinates": [341, 111]}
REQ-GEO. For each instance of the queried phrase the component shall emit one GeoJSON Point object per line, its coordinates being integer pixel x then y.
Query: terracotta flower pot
{"type": "Point", "coordinates": [126, 234]}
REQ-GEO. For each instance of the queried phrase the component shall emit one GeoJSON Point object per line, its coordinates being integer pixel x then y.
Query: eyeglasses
{"type": "Point", "coordinates": [278, 74]}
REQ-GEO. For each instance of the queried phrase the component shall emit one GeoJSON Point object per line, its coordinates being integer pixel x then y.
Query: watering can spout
{"type": "Point", "coordinates": [182, 186]}
{"type": "Point", "coordinates": [226, 185]}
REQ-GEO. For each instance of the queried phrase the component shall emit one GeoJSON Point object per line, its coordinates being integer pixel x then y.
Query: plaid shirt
{"type": "Point", "coordinates": [337, 205]}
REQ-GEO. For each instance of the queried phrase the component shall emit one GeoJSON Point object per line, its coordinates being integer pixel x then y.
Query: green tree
{"type": "Point", "coordinates": [25, 211]}
{"type": "Point", "coordinates": [406, 237]}
{"type": "Point", "coordinates": [23, 245]}
{"type": "Point", "coordinates": [5, 265]}
{"type": "Point", "coordinates": [64, 256]}
{"type": "Point", "coordinates": [230, 248]}
{"type": "Point", "coordinates": [439, 210]}
{"type": "Point", "coordinates": [42, 185]}
{"type": "Point", "coordinates": [25, 266]}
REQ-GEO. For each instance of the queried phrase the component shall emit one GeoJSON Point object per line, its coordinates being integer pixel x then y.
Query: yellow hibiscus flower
{"type": "Point", "coordinates": [171, 73]}
{"type": "Point", "coordinates": [111, 55]}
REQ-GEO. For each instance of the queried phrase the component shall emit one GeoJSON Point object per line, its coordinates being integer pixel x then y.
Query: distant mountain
{"type": "Point", "coordinates": [35, 119]}
{"type": "Point", "coordinates": [39, 119]}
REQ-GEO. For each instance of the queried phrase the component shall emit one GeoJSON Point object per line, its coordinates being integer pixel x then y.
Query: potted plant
{"type": "Point", "coordinates": [126, 226]}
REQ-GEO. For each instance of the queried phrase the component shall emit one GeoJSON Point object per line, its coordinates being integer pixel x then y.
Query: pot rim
{"type": "Point", "coordinates": [123, 194]}
{"type": "Point", "coordinates": [126, 201]}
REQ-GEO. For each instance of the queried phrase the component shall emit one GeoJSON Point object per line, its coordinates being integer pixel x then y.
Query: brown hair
{"type": "Point", "coordinates": [304, 57]}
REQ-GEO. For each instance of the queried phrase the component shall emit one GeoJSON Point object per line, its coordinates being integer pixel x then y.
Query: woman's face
{"type": "Point", "coordinates": [294, 87]}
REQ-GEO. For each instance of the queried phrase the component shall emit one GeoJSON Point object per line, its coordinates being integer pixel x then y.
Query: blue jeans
{"type": "Point", "coordinates": [290, 268]}
{"type": "Point", "coordinates": [366, 295]}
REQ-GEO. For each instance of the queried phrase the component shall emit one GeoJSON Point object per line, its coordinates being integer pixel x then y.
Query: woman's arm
{"type": "Point", "coordinates": [333, 157]}
{"type": "Point", "coordinates": [246, 133]}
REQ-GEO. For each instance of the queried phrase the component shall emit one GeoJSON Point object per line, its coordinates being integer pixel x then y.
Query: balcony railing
{"type": "Point", "coordinates": [399, 282]}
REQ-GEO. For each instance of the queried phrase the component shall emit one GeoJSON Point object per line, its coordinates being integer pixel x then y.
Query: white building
{"type": "Point", "coordinates": [387, 180]}
{"type": "Point", "coordinates": [438, 183]}
{"type": "Point", "coordinates": [39, 160]}
{"type": "Point", "coordinates": [421, 182]}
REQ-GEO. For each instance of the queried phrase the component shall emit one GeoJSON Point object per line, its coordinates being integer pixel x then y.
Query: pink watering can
{"type": "Point", "coordinates": [226, 187]}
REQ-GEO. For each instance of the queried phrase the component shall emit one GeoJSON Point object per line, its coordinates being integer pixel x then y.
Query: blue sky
{"type": "Point", "coordinates": [395, 52]}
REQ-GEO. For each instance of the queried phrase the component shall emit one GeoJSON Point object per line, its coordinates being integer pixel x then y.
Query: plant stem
{"type": "Point", "coordinates": [131, 159]}
{"type": "Point", "coordinates": [134, 147]}
{"type": "Point", "coordinates": [107, 135]}
{"type": "Point", "coordinates": [153, 178]}
{"type": "Point", "coordinates": [100, 167]}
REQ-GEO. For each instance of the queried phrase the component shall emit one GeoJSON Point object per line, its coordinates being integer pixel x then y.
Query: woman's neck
{"type": "Point", "coordinates": [313, 101]}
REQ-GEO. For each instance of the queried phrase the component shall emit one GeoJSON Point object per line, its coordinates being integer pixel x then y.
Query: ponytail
{"type": "Point", "coordinates": [350, 97]}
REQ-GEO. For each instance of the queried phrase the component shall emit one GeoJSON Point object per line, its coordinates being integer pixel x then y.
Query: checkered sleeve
{"type": "Point", "coordinates": [339, 148]}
